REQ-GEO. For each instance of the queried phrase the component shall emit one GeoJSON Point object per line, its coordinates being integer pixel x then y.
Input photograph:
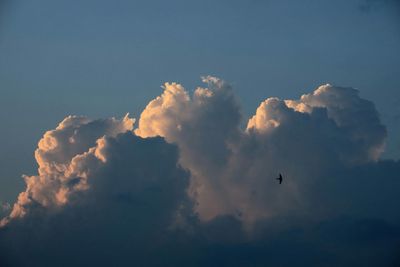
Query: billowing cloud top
{"type": "Point", "coordinates": [66, 157]}
{"type": "Point", "coordinates": [230, 167]}
{"type": "Point", "coordinates": [189, 170]}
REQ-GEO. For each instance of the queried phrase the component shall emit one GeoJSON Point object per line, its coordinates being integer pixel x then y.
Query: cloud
{"type": "Point", "coordinates": [232, 169]}
{"type": "Point", "coordinates": [189, 186]}
{"type": "Point", "coordinates": [203, 128]}
{"type": "Point", "coordinates": [64, 156]}
{"type": "Point", "coordinates": [133, 192]}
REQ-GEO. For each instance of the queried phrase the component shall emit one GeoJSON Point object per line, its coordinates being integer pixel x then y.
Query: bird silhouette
{"type": "Point", "coordinates": [280, 178]}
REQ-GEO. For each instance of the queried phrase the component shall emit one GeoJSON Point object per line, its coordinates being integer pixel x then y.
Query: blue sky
{"type": "Point", "coordinates": [102, 59]}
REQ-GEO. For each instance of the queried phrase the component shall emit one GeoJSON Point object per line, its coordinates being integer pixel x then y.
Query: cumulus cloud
{"type": "Point", "coordinates": [64, 156]}
{"type": "Point", "coordinates": [133, 192]}
{"type": "Point", "coordinates": [232, 169]}
{"type": "Point", "coordinates": [188, 182]}
{"type": "Point", "coordinates": [203, 127]}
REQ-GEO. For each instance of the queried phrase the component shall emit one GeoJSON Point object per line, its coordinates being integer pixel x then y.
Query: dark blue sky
{"type": "Point", "coordinates": [105, 58]}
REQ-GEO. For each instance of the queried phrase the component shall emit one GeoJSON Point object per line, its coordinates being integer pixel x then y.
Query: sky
{"type": "Point", "coordinates": [100, 59]}
{"type": "Point", "coordinates": [200, 156]}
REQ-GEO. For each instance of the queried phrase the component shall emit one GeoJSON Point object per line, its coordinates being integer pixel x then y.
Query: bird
{"type": "Point", "coordinates": [279, 178]}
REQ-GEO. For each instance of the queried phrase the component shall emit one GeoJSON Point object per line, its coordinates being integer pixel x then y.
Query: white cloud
{"type": "Point", "coordinates": [65, 157]}
{"type": "Point", "coordinates": [233, 170]}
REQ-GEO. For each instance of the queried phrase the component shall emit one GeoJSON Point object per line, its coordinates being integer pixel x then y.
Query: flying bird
{"type": "Point", "coordinates": [279, 178]}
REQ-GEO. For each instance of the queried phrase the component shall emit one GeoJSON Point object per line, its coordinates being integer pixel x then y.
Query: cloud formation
{"type": "Point", "coordinates": [232, 169]}
{"type": "Point", "coordinates": [188, 180]}
{"type": "Point", "coordinates": [65, 156]}
{"type": "Point", "coordinates": [124, 191]}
